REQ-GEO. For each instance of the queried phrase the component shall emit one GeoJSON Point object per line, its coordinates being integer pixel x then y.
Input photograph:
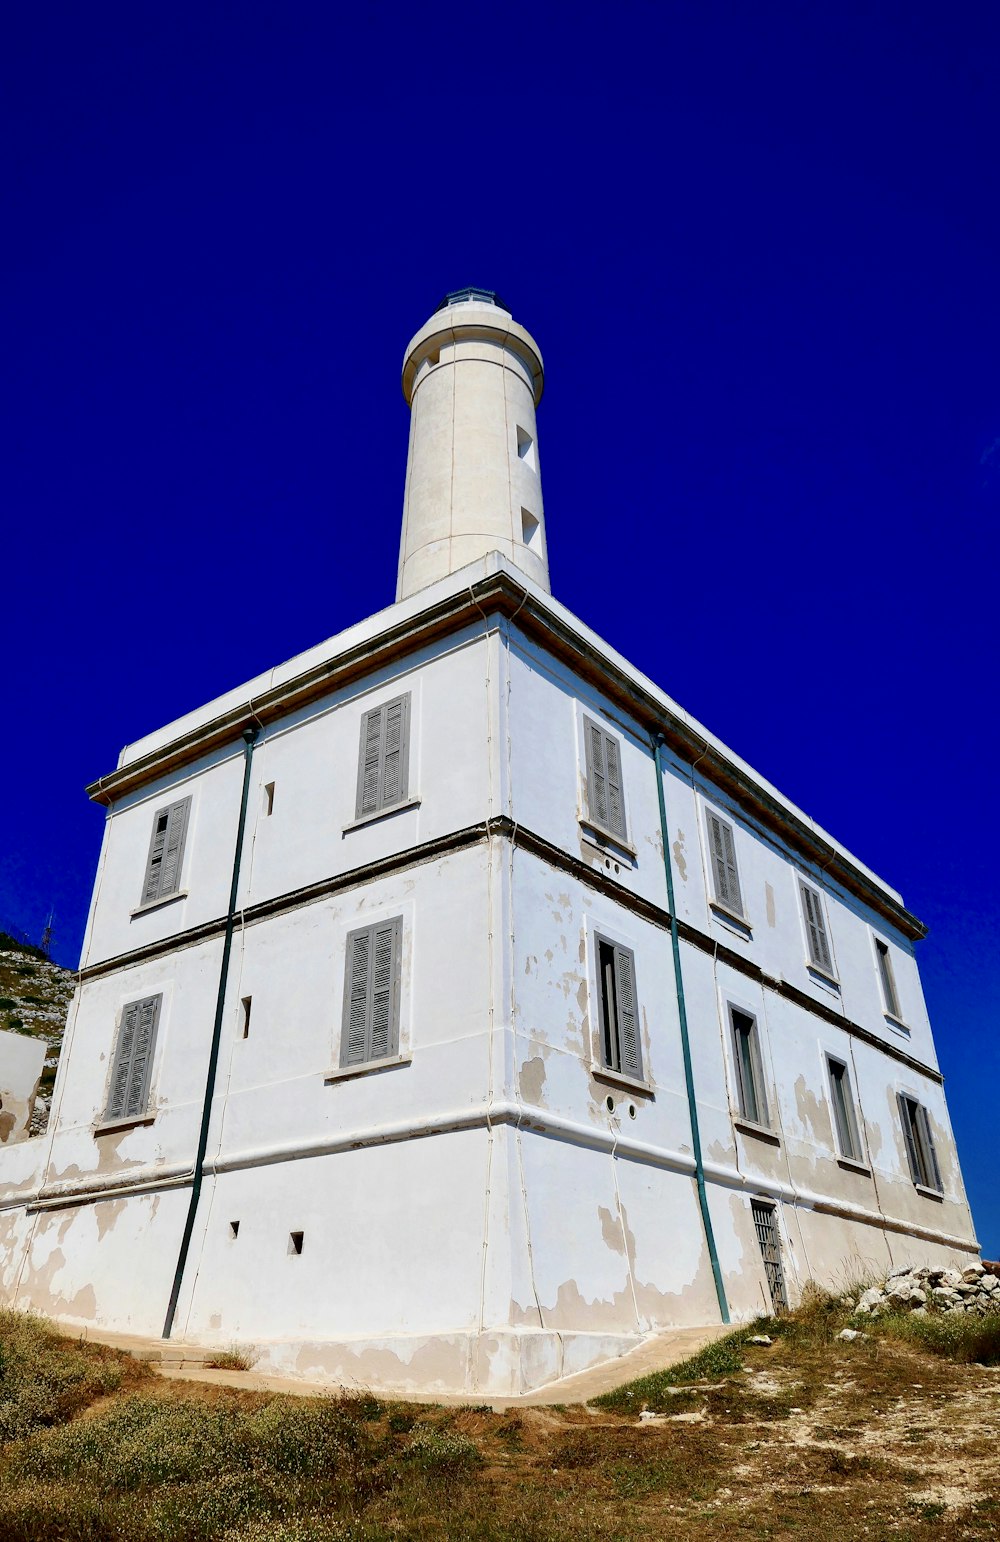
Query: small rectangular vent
{"type": "Point", "coordinates": [526, 449]}
{"type": "Point", "coordinates": [268, 799]}
{"type": "Point", "coordinates": [295, 1241]}
{"type": "Point", "coordinates": [245, 1007]}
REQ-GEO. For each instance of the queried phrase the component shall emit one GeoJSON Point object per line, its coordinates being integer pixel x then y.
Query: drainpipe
{"type": "Point", "coordinates": [699, 1166]}
{"type": "Point", "coordinates": [249, 739]}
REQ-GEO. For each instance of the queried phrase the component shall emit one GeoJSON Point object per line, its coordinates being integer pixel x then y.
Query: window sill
{"type": "Point", "coordinates": [603, 1073]}
{"type": "Point", "coordinates": [897, 1024]}
{"type": "Point", "coordinates": [852, 1166]}
{"type": "Point", "coordinates": [343, 1073]}
{"type": "Point", "coordinates": [606, 839]}
{"type": "Point", "coordinates": [761, 1131]}
{"type": "Point", "coordinates": [937, 1194]}
{"type": "Point", "coordinates": [106, 1126]}
{"type": "Point", "coordinates": [382, 813]}
{"type": "Point", "coordinates": [732, 920]}
{"type": "Point", "coordinates": [158, 904]}
{"type": "Point", "coordinates": [823, 977]}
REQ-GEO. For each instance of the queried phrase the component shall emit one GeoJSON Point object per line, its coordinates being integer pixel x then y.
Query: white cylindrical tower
{"type": "Point", "coordinates": [473, 379]}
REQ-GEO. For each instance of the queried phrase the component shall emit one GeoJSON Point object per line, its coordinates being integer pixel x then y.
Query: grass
{"type": "Point", "coordinates": [233, 1359]}
{"type": "Point", "coordinates": [894, 1435]}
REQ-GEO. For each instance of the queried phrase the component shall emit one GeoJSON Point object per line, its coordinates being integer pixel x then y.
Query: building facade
{"type": "Point", "coordinates": [455, 1010]}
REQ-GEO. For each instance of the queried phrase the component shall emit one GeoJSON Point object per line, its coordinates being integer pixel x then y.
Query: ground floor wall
{"type": "Point", "coordinates": [486, 1260]}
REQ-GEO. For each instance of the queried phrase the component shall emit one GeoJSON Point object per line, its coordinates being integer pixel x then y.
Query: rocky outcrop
{"type": "Point", "coordinates": [975, 1289]}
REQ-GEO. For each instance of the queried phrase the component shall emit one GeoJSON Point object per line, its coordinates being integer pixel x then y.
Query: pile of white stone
{"type": "Point", "coordinates": [975, 1289]}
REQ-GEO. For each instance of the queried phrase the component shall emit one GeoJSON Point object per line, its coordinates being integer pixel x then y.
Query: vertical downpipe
{"type": "Point", "coordinates": [249, 740]}
{"type": "Point", "coordinates": [699, 1166]}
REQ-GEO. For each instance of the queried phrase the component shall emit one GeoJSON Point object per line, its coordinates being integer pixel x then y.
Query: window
{"type": "Point", "coordinates": [724, 874]}
{"type": "Point", "coordinates": [887, 978]}
{"type": "Point", "coordinates": [848, 1140]}
{"type": "Point", "coordinates": [382, 763]}
{"type": "Point", "coordinates": [371, 994]}
{"type": "Point", "coordinates": [749, 1071]}
{"type": "Point", "coordinates": [605, 802]}
{"type": "Point", "coordinates": [770, 1251]}
{"type": "Point", "coordinates": [129, 1090]}
{"type": "Point", "coordinates": [819, 943]}
{"type": "Point", "coordinates": [919, 1142]}
{"type": "Point", "coordinates": [617, 1010]}
{"type": "Point", "coordinates": [166, 852]}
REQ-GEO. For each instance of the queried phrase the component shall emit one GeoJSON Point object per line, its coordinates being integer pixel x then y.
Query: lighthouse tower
{"type": "Point", "coordinates": [472, 378]}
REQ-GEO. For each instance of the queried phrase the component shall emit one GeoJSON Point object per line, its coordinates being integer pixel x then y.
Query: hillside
{"type": "Point", "coordinates": [804, 1434]}
{"type": "Point", "coordinates": [34, 999]}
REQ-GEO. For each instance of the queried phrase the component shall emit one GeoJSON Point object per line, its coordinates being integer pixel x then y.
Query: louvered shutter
{"type": "Point", "coordinates": [906, 1106]}
{"type": "Point", "coordinates": [616, 804]}
{"type": "Point", "coordinates": [727, 881]}
{"type": "Point", "coordinates": [166, 852]}
{"type": "Point", "coordinates": [629, 1049]}
{"type": "Point", "coordinates": [356, 1013]}
{"type": "Point", "coordinates": [597, 787]}
{"type": "Point", "coordinates": [384, 756]}
{"type": "Point", "coordinates": [129, 1092]}
{"type": "Point", "coordinates": [933, 1172]}
{"type": "Point", "coordinates": [371, 735]}
{"type": "Point", "coordinates": [605, 798]}
{"type": "Point", "coordinates": [819, 947]}
{"type": "Point", "coordinates": [383, 991]}
{"type": "Point", "coordinates": [371, 993]}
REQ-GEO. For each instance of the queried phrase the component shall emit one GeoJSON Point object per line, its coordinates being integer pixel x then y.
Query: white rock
{"type": "Point", "coordinates": [973, 1272]}
{"type": "Point", "coordinates": [872, 1297]}
{"type": "Point", "coordinates": [850, 1334]}
{"type": "Point", "coordinates": [762, 1338]}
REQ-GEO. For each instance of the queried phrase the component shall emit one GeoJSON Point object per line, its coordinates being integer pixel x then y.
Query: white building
{"type": "Point", "coordinates": [377, 1059]}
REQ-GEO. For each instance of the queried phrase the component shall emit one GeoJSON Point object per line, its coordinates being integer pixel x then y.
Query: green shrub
{"type": "Point", "coordinates": [954, 1335]}
{"type": "Point", "coordinates": [443, 1452]}
{"type": "Point", "coordinates": [46, 1379]}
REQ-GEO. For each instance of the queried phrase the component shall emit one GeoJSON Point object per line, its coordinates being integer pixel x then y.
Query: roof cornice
{"type": "Point", "coordinates": [499, 590]}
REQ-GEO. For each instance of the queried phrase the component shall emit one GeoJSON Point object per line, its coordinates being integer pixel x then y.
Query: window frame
{"type": "Point", "coordinates": [754, 1063]}
{"type": "Point", "coordinates": [824, 966]}
{"type": "Point", "coordinates": [348, 1063]}
{"type": "Point", "coordinates": [918, 1140]}
{"type": "Point", "coordinates": [179, 811]}
{"type": "Point", "coordinates": [382, 805]}
{"type": "Point", "coordinates": [849, 1149]}
{"type": "Point", "coordinates": [605, 827]}
{"type": "Point", "coordinates": [887, 979]}
{"type": "Point", "coordinates": [724, 903]}
{"type": "Point", "coordinates": [609, 1023]}
{"type": "Point", "coordinates": [141, 1112]}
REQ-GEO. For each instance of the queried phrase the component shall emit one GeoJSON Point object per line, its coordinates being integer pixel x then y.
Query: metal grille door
{"type": "Point", "coordinates": [770, 1250]}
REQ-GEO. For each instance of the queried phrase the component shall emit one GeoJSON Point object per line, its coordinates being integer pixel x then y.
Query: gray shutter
{"type": "Point", "coordinates": [933, 1171]}
{"type": "Point", "coordinates": [760, 1091]}
{"type": "Point", "coordinates": [384, 990]}
{"type": "Point", "coordinates": [905, 1119]}
{"type": "Point", "coordinates": [129, 1092]}
{"type": "Point", "coordinates": [597, 787]}
{"type": "Point", "coordinates": [819, 947]}
{"type": "Point", "coordinates": [368, 767]}
{"type": "Point", "coordinates": [605, 799]}
{"type": "Point", "coordinates": [727, 881]}
{"type": "Point", "coordinates": [616, 803]}
{"type": "Point", "coordinates": [629, 1049]}
{"type": "Point", "coordinates": [394, 747]}
{"type": "Point", "coordinates": [166, 852]}
{"type": "Point", "coordinates": [384, 756]}
{"type": "Point", "coordinates": [888, 983]}
{"type": "Point", "coordinates": [355, 1036]}
{"type": "Point", "coordinates": [371, 993]}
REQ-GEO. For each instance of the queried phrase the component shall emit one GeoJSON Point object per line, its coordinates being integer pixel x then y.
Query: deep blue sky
{"type": "Point", "coordinates": [760, 249]}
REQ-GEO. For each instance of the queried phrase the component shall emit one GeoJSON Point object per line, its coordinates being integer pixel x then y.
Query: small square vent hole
{"type": "Point", "coordinates": [526, 448]}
